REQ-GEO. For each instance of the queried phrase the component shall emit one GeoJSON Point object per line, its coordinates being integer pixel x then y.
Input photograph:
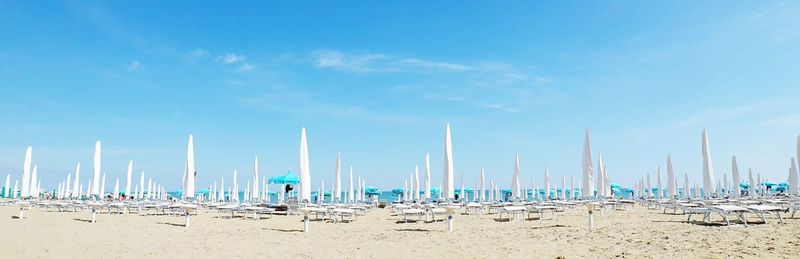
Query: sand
{"type": "Point", "coordinates": [631, 234]}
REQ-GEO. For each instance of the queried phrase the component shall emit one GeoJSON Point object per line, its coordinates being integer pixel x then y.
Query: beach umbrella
{"type": "Point", "coordinates": [235, 192]}
{"type": "Point", "coordinates": [116, 189]}
{"type": "Point", "coordinates": [736, 178]}
{"type": "Point", "coordinates": [221, 195]}
{"type": "Point", "coordinates": [671, 186]}
{"type": "Point", "coordinates": [448, 165]}
{"type": "Point", "coordinates": [793, 181]}
{"type": "Point", "coordinates": [103, 185]}
{"type": "Point", "coordinates": [571, 187]}
{"type": "Point", "coordinates": [405, 190]}
{"type": "Point", "coordinates": [149, 188]}
{"type": "Point", "coordinates": [534, 192]}
{"type": "Point", "coordinates": [76, 185]}
{"type": "Point", "coordinates": [255, 179]}
{"type": "Point", "coordinates": [649, 186]}
{"type": "Point", "coordinates": [515, 180]}
{"type": "Point", "coordinates": [190, 170]}
{"type": "Point", "coordinates": [416, 181]}
{"type": "Point", "coordinates": [601, 189]}
{"type": "Point", "coordinates": [563, 187]}
{"type": "Point", "coordinates": [482, 194]}
{"type": "Point", "coordinates": [7, 190]}
{"type": "Point", "coordinates": [461, 196]}
{"type": "Point", "coordinates": [751, 189]}
{"type": "Point", "coordinates": [686, 185]}
{"type": "Point", "coordinates": [587, 170]}
{"type": "Point", "coordinates": [350, 188]}
{"type": "Point", "coordinates": [546, 183]}
{"type": "Point", "coordinates": [128, 183]}
{"type": "Point", "coordinates": [708, 170]}
{"type": "Point", "coordinates": [14, 192]}
{"type": "Point", "coordinates": [96, 169]}
{"type": "Point", "coordinates": [427, 176]}
{"type": "Point", "coordinates": [26, 173]}
{"type": "Point", "coordinates": [725, 184]}
{"type": "Point", "coordinates": [358, 190]}
{"type": "Point", "coordinates": [305, 170]}
{"type": "Point", "coordinates": [491, 190]}
{"type": "Point", "coordinates": [759, 183]}
{"type": "Point", "coordinates": [337, 191]}
{"type": "Point", "coordinates": [658, 181]}
{"type": "Point", "coordinates": [247, 192]}
{"type": "Point", "coordinates": [35, 182]}
{"type": "Point", "coordinates": [322, 190]}
{"type": "Point", "coordinates": [140, 189]}
{"type": "Point", "coordinates": [411, 186]}
{"type": "Point", "coordinates": [67, 186]}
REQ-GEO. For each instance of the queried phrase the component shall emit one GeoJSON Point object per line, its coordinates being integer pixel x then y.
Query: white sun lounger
{"type": "Point", "coordinates": [474, 207]}
{"type": "Point", "coordinates": [763, 210]}
{"type": "Point", "coordinates": [419, 212]}
{"type": "Point", "coordinates": [257, 212]}
{"type": "Point", "coordinates": [350, 213]}
{"type": "Point", "coordinates": [726, 210]}
{"type": "Point", "coordinates": [513, 211]}
{"type": "Point", "coordinates": [437, 211]}
{"type": "Point", "coordinates": [540, 210]}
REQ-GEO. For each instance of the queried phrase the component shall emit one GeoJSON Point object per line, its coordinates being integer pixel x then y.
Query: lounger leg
{"type": "Point", "coordinates": [741, 216]}
{"type": "Point", "coordinates": [689, 218]}
{"type": "Point", "coordinates": [761, 215]}
{"type": "Point", "coordinates": [779, 217]}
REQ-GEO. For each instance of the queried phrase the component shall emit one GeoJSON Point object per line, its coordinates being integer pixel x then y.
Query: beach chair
{"type": "Point", "coordinates": [474, 207]}
{"type": "Point", "coordinates": [794, 207]}
{"type": "Point", "coordinates": [726, 210]}
{"type": "Point", "coordinates": [437, 211]}
{"type": "Point", "coordinates": [513, 211]}
{"type": "Point", "coordinates": [257, 211]}
{"type": "Point", "coordinates": [540, 210]}
{"type": "Point", "coordinates": [341, 213]}
{"type": "Point", "coordinates": [763, 210]}
{"type": "Point", "coordinates": [410, 212]}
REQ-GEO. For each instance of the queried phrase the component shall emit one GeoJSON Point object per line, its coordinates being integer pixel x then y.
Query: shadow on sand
{"type": "Point", "coordinates": [283, 230]}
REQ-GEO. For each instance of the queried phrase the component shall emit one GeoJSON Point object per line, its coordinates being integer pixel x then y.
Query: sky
{"type": "Point", "coordinates": [378, 82]}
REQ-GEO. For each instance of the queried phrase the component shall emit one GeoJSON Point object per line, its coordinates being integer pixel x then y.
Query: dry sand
{"type": "Point", "coordinates": [635, 233]}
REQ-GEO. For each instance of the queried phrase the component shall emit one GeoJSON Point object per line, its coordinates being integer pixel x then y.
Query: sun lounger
{"type": "Point", "coordinates": [726, 210]}
{"type": "Point", "coordinates": [337, 213]}
{"type": "Point", "coordinates": [476, 207]}
{"type": "Point", "coordinates": [419, 212]}
{"type": "Point", "coordinates": [540, 210]}
{"type": "Point", "coordinates": [513, 211]}
{"type": "Point", "coordinates": [436, 211]}
{"type": "Point", "coordinates": [257, 212]}
{"type": "Point", "coordinates": [794, 206]}
{"type": "Point", "coordinates": [762, 210]}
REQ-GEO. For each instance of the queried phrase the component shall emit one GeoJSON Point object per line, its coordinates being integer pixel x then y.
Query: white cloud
{"type": "Point", "coordinates": [244, 68]}
{"type": "Point", "coordinates": [231, 58]}
{"type": "Point", "coordinates": [380, 63]}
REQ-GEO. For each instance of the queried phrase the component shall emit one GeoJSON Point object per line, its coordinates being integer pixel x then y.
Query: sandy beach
{"type": "Point", "coordinates": [635, 233]}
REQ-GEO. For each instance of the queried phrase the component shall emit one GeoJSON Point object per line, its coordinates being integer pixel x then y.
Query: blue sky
{"type": "Point", "coordinates": [378, 81]}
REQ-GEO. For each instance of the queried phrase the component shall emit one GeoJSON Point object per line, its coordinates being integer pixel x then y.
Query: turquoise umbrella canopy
{"type": "Point", "coordinates": [466, 190]}
{"type": "Point", "coordinates": [398, 191]}
{"type": "Point", "coordinates": [289, 178]}
{"type": "Point", "coordinates": [372, 191]}
{"type": "Point", "coordinates": [435, 190]}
